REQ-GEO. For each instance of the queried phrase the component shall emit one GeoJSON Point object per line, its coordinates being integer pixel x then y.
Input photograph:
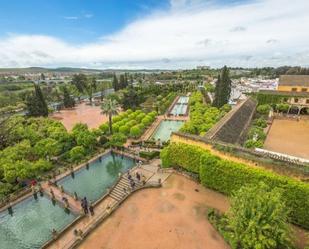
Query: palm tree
{"type": "Point", "coordinates": [109, 107]}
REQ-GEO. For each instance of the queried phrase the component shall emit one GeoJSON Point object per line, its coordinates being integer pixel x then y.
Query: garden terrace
{"type": "Point", "coordinates": [233, 126]}
{"type": "Point", "coordinates": [254, 158]}
{"type": "Point", "coordinates": [227, 174]}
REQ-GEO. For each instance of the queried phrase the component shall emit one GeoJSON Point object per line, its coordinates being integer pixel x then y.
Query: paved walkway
{"type": "Point", "coordinates": [151, 173]}
{"type": "Point", "coordinates": [74, 205]}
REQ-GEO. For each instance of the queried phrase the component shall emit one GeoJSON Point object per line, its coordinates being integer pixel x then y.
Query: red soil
{"type": "Point", "coordinates": [173, 216]}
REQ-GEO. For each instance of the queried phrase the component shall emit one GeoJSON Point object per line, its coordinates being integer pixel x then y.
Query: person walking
{"type": "Point", "coordinates": [91, 210]}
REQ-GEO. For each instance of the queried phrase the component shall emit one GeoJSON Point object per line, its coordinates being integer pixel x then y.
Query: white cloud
{"type": "Point", "coordinates": [88, 15]}
{"type": "Point", "coordinates": [71, 17]}
{"type": "Point", "coordinates": [260, 33]}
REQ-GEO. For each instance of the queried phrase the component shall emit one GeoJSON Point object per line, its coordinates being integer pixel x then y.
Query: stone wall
{"type": "Point", "coordinates": [232, 128]}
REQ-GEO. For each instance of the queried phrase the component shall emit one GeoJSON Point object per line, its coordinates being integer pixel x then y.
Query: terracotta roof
{"type": "Point", "coordinates": [294, 80]}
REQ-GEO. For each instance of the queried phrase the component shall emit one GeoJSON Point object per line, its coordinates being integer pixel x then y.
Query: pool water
{"type": "Point", "coordinates": [183, 100]}
{"type": "Point", "coordinates": [32, 223]}
{"type": "Point", "coordinates": [94, 182]}
{"type": "Point", "coordinates": [180, 108]}
{"type": "Point", "coordinates": [165, 129]}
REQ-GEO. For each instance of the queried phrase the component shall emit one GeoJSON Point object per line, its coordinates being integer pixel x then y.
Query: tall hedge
{"type": "Point", "coordinates": [227, 177]}
{"type": "Point", "coordinates": [182, 155]}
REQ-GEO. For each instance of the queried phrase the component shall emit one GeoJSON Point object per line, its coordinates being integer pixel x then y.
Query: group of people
{"type": "Point", "coordinates": [87, 208]}
{"type": "Point", "coordinates": [139, 177]}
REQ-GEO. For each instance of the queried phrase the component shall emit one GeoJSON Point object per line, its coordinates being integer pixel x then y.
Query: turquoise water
{"type": "Point", "coordinates": [93, 183]}
{"type": "Point", "coordinates": [180, 108]}
{"type": "Point", "coordinates": [31, 224]}
{"type": "Point", "coordinates": [165, 128]}
{"type": "Point", "coordinates": [183, 100]}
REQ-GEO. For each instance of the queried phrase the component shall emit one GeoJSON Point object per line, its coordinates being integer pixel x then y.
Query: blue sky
{"type": "Point", "coordinates": [73, 20]}
{"type": "Point", "coordinates": [153, 33]}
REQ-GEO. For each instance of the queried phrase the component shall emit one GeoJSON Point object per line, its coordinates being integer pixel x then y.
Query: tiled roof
{"type": "Point", "coordinates": [294, 80]}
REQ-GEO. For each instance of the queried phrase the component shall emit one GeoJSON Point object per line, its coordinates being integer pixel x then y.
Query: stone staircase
{"type": "Point", "coordinates": [118, 193]}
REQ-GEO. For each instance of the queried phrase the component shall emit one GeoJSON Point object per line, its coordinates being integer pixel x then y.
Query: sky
{"type": "Point", "coordinates": [152, 34]}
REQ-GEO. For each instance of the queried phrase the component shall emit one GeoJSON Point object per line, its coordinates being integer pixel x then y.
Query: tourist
{"type": "Point", "coordinates": [54, 233]}
{"type": "Point", "coordinates": [80, 233]}
{"type": "Point", "coordinates": [52, 193]}
{"type": "Point", "coordinates": [138, 176]}
{"type": "Point", "coordinates": [85, 205]}
{"type": "Point", "coordinates": [75, 196]}
{"type": "Point", "coordinates": [129, 176]}
{"type": "Point", "coordinates": [91, 210]}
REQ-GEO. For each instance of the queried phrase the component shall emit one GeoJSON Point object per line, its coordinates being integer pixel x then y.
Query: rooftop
{"type": "Point", "coordinates": [294, 80]}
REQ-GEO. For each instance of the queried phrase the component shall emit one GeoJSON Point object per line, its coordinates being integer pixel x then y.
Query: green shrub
{"type": "Point", "coordinates": [103, 140]}
{"type": "Point", "coordinates": [228, 177]}
{"type": "Point", "coordinates": [135, 131]}
{"type": "Point", "coordinates": [115, 127]}
{"type": "Point", "coordinates": [185, 156]}
{"type": "Point", "coordinates": [77, 153]}
{"type": "Point", "coordinates": [250, 143]}
{"type": "Point", "coordinates": [282, 107]}
{"type": "Point", "coordinates": [260, 122]}
{"type": "Point", "coordinates": [117, 139]}
{"type": "Point", "coordinates": [125, 129]}
{"type": "Point", "coordinates": [149, 154]}
{"type": "Point", "coordinates": [263, 109]}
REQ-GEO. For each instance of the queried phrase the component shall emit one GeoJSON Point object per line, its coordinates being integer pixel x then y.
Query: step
{"type": "Point", "coordinates": [117, 198]}
{"type": "Point", "coordinates": [119, 192]}
{"type": "Point", "coordinates": [123, 185]}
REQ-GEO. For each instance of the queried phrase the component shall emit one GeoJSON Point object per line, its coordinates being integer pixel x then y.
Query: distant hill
{"type": "Point", "coordinates": [77, 70]}
{"type": "Point", "coordinates": [46, 70]}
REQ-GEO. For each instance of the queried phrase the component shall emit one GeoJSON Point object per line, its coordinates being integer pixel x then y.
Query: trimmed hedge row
{"type": "Point", "coordinates": [184, 156]}
{"type": "Point", "coordinates": [227, 177]}
{"type": "Point", "coordinates": [149, 154]}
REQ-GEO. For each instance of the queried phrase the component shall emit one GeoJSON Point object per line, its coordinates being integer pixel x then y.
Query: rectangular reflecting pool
{"type": "Point", "coordinates": [181, 106]}
{"type": "Point", "coordinates": [179, 109]}
{"type": "Point", "coordinates": [183, 100]}
{"type": "Point", "coordinates": [31, 224]}
{"type": "Point", "coordinates": [165, 128]}
{"type": "Point", "coordinates": [94, 181]}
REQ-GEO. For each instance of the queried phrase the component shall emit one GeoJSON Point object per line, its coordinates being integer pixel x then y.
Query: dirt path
{"type": "Point", "coordinates": [173, 216]}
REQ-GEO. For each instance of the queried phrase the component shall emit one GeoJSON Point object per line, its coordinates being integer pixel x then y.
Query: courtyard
{"type": "Point", "coordinates": [81, 113]}
{"type": "Point", "coordinates": [174, 216]}
{"type": "Point", "coordinates": [289, 136]}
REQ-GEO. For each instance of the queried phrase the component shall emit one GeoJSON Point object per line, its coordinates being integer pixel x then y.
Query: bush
{"type": "Point", "coordinates": [258, 218]}
{"type": "Point", "coordinates": [185, 156]}
{"type": "Point", "coordinates": [117, 139]}
{"type": "Point", "coordinates": [124, 129]}
{"type": "Point", "coordinates": [104, 128]}
{"type": "Point", "coordinates": [103, 140]}
{"type": "Point", "coordinates": [149, 154]}
{"type": "Point", "coordinates": [228, 177]}
{"type": "Point", "coordinates": [282, 107]}
{"type": "Point", "coordinates": [135, 131]}
{"type": "Point", "coordinates": [251, 144]}
{"type": "Point", "coordinates": [260, 122]}
{"type": "Point", "coordinates": [77, 153]}
{"type": "Point", "coordinates": [263, 109]}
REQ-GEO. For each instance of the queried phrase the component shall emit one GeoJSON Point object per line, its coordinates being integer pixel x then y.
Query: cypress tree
{"type": "Point", "coordinates": [36, 103]}
{"type": "Point", "coordinates": [68, 101]}
{"type": "Point", "coordinates": [223, 88]}
{"type": "Point", "coordinates": [115, 83]}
